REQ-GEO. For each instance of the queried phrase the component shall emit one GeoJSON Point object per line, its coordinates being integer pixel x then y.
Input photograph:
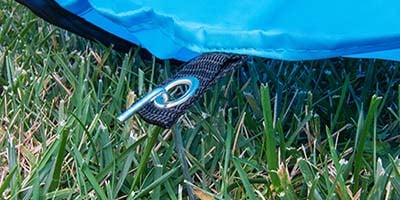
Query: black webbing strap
{"type": "Point", "coordinates": [208, 68]}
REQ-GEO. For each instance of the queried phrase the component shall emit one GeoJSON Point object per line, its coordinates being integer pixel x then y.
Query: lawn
{"type": "Point", "coordinates": [324, 129]}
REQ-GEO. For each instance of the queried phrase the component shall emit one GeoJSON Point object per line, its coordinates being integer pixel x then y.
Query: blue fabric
{"type": "Point", "coordinates": [289, 30]}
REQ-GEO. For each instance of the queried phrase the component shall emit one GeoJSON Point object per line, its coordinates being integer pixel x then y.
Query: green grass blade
{"type": "Point", "coordinates": [286, 184]}
{"type": "Point", "coordinates": [88, 174]}
{"type": "Point", "coordinates": [359, 149]}
{"type": "Point", "coordinates": [340, 104]}
{"type": "Point", "coordinates": [158, 172]}
{"type": "Point", "coordinates": [306, 171]}
{"type": "Point", "coordinates": [338, 179]}
{"type": "Point", "coordinates": [123, 156]}
{"type": "Point", "coordinates": [124, 172]}
{"type": "Point", "coordinates": [380, 184]}
{"type": "Point", "coordinates": [269, 136]}
{"type": "Point", "coordinates": [155, 183]}
{"type": "Point", "coordinates": [227, 159]}
{"type": "Point", "coordinates": [145, 156]}
{"type": "Point", "coordinates": [57, 169]}
{"type": "Point", "coordinates": [13, 164]}
{"type": "Point", "coordinates": [243, 177]}
{"type": "Point", "coordinates": [36, 186]}
{"type": "Point", "coordinates": [60, 194]}
{"type": "Point", "coordinates": [398, 102]}
{"type": "Point", "coordinates": [182, 158]}
{"type": "Point", "coordinates": [6, 183]}
{"type": "Point", "coordinates": [395, 177]}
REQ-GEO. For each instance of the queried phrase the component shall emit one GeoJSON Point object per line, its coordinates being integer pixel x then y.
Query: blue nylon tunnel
{"type": "Point", "coordinates": [287, 30]}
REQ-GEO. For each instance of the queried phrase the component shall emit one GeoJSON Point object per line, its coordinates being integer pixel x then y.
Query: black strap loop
{"type": "Point", "coordinates": [208, 68]}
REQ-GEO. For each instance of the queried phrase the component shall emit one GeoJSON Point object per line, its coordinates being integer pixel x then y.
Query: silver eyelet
{"type": "Point", "coordinates": [159, 96]}
{"type": "Point", "coordinates": [162, 100]}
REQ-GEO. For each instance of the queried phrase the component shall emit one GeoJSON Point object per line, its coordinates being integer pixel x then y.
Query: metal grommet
{"type": "Point", "coordinates": [162, 101]}
{"type": "Point", "coordinates": [159, 96]}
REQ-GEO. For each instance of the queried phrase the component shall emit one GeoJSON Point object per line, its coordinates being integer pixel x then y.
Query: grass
{"type": "Point", "coordinates": [324, 129]}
